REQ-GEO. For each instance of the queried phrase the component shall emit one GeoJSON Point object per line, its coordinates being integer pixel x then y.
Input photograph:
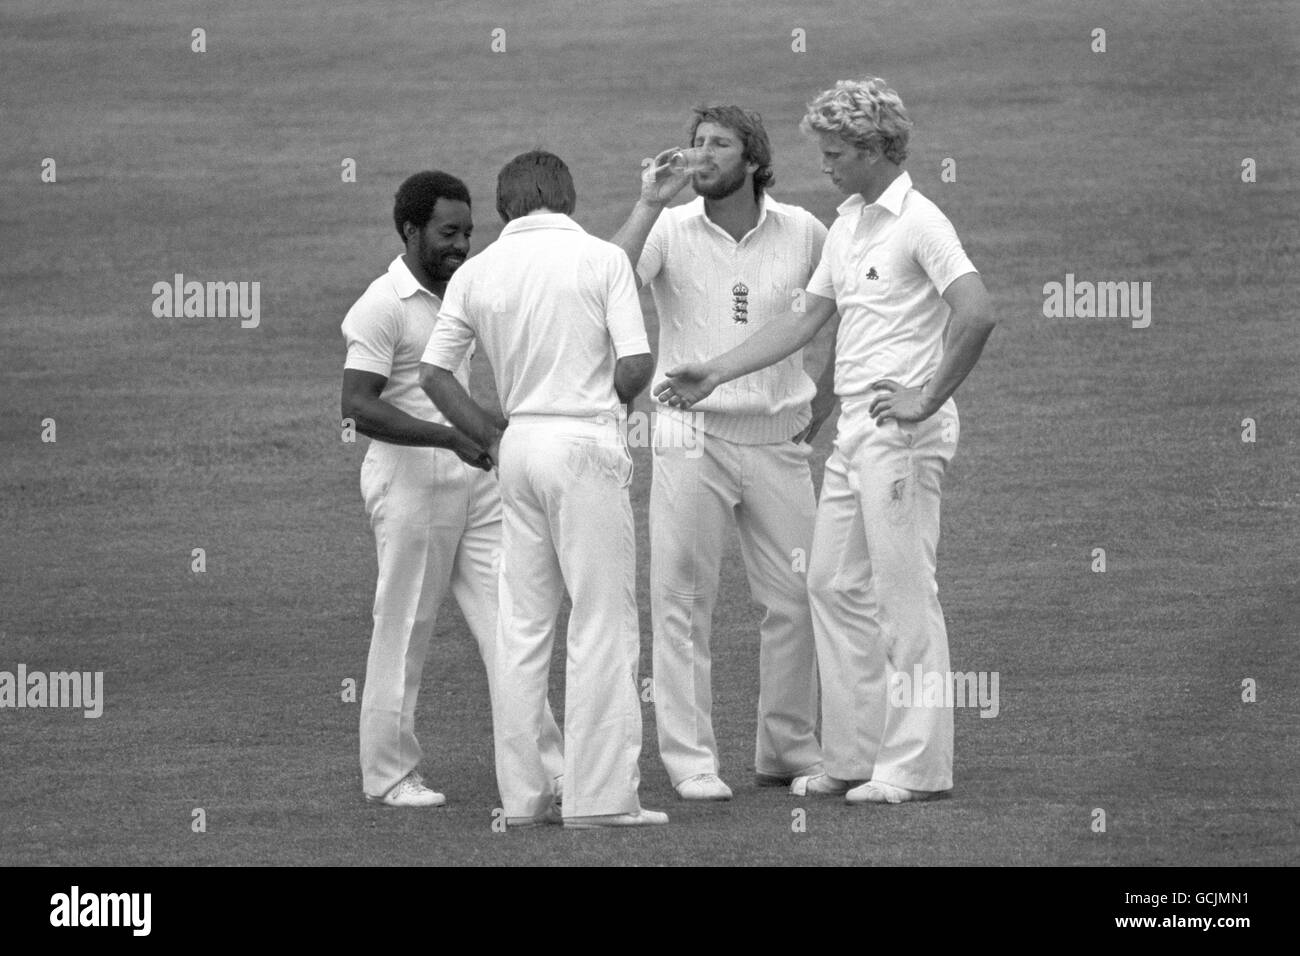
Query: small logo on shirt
{"type": "Point", "coordinates": [740, 303]}
{"type": "Point", "coordinates": [872, 274]}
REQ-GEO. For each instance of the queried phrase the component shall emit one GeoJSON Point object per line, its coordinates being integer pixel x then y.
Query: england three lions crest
{"type": "Point", "coordinates": [740, 303]}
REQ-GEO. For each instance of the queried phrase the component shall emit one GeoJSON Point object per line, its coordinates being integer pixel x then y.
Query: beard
{"type": "Point", "coordinates": [723, 187]}
{"type": "Point", "coordinates": [435, 262]}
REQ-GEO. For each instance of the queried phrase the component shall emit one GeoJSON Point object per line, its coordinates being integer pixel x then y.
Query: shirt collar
{"type": "Point", "coordinates": [541, 220]}
{"type": "Point", "coordinates": [404, 281]}
{"type": "Point", "coordinates": [696, 207]}
{"type": "Point", "coordinates": [891, 199]}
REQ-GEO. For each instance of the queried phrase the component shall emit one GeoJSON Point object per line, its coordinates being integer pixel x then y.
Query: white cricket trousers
{"type": "Point", "coordinates": [437, 525]}
{"type": "Point", "coordinates": [875, 603]}
{"type": "Point", "coordinates": [699, 485]}
{"type": "Point", "coordinates": [567, 523]}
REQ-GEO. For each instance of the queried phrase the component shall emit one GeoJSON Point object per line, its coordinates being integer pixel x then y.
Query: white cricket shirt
{"type": "Point", "coordinates": [886, 264]}
{"type": "Point", "coordinates": [386, 331]}
{"type": "Point", "coordinates": [553, 309]}
{"type": "Point", "coordinates": [712, 293]}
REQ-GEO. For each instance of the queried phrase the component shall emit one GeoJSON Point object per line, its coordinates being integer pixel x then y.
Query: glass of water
{"type": "Point", "coordinates": [689, 161]}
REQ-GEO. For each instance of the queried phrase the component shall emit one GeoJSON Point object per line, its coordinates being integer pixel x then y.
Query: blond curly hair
{"type": "Point", "coordinates": [864, 113]}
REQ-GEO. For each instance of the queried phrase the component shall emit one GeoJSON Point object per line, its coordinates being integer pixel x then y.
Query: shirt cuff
{"type": "Point", "coordinates": [362, 364]}
{"type": "Point", "coordinates": [964, 272]}
{"type": "Point", "coordinates": [637, 346]}
{"type": "Point", "coordinates": [435, 358]}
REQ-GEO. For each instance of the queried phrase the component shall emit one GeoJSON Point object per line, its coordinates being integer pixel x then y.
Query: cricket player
{"type": "Point", "coordinates": [896, 271]}
{"type": "Point", "coordinates": [722, 268]}
{"type": "Point", "coordinates": [557, 314]}
{"type": "Point", "coordinates": [434, 507]}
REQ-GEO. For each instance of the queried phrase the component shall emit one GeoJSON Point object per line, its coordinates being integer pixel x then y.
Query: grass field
{"type": "Point", "coordinates": [1119, 690]}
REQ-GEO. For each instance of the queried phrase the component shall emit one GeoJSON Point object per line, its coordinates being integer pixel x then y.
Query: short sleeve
{"type": "Point", "coordinates": [652, 254]}
{"type": "Point", "coordinates": [822, 282]}
{"type": "Point", "coordinates": [623, 316]}
{"type": "Point", "coordinates": [938, 251]}
{"type": "Point", "coordinates": [453, 335]}
{"type": "Point", "coordinates": [371, 329]}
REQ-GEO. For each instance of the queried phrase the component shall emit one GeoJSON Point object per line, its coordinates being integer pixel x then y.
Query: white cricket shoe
{"type": "Point", "coordinates": [410, 791]}
{"type": "Point", "coordinates": [874, 791]}
{"type": "Point", "coordinates": [819, 785]}
{"type": "Point", "coordinates": [642, 818]}
{"type": "Point", "coordinates": [703, 786]}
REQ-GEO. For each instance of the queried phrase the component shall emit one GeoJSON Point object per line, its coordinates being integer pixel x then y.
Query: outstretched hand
{"type": "Point", "coordinates": [686, 385]}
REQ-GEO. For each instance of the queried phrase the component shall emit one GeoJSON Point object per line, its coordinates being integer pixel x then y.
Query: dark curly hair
{"type": "Point", "coordinates": [417, 196]}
